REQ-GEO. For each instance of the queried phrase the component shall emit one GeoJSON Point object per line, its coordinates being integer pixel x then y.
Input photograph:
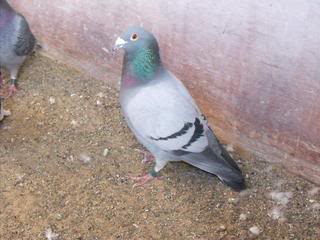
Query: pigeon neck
{"type": "Point", "coordinates": [141, 67]}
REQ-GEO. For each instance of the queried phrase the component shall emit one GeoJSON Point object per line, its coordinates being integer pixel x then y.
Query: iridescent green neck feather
{"type": "Point", "coordinates": [145, 63]}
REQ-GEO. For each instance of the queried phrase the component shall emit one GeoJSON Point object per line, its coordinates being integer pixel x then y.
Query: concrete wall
{"type": "Point", "coordinates": [253, 66]}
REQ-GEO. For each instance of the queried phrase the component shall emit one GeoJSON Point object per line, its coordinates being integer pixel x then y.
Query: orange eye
{"type": "Point", "coordinates": [134, 37]}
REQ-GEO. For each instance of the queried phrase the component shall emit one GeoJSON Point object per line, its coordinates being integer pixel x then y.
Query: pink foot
{"type": "Point", "coordinates": [148, 157]}
{"type": "Point", "coordinates": [12, 90]}
{"type": "Point", "coordinates": [142, 180]}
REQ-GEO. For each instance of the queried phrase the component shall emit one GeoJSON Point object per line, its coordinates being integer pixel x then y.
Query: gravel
{"type": "Point", "coordinates": [44, 183]}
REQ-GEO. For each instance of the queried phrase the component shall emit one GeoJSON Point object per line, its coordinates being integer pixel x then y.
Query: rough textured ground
{"type": "Point", "coordinates": [56, 183]}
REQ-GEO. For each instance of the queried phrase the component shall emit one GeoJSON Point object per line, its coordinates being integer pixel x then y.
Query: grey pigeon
{"type": "Point", "coordinates": [16, 42]}
{"type": "Point", "coordinates": [163, 115]}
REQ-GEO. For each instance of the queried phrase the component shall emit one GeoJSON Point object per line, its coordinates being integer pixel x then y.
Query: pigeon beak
{"type": "Point", "coordinates": [120, 43]}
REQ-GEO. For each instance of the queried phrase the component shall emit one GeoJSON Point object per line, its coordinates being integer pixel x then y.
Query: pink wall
{"type": "Point", "coordinates": [253, 66]}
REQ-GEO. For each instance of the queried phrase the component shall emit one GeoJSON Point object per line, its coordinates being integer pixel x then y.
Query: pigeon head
{"type": "Point", "coordinates": [136, 38]}
{"type": "Point", "coordinates": [142, 58]}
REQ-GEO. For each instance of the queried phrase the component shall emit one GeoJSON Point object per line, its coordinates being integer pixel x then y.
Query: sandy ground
{"type": "Point", "coordinates": [56, 183]}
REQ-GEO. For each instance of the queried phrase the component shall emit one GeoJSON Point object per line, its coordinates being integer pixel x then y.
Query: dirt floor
{"type": "Point", "coordinates": [65, 157]}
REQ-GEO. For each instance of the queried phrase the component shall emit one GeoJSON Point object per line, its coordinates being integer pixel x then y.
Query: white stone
{"type": "Point", "coordinates": [243, 217]}
{"type": "Point", "coordinates": [52, 100]}
{"type": "Point", "coordinates": [105, 152]}
{"type": "Point", "coordinates": [229, 148]}
{"type": "Point", "coordinates": [50, 235]}
{"type": "Point", "coordinates": [255, 230]}
{"type": "Point", "coordinates": [84, 158]}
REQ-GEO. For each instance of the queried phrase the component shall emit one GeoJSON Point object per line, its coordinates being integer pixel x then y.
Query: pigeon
{"type": "Point", "coordinates": [164, 117]}
{"type": "Point", "coordinates": [16, 42]}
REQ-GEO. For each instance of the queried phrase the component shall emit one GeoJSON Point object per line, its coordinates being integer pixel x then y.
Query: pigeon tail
{"type": "Point", "coordinates": [223, 166]}
{"type": "Point", "coordinates": [237, 185]}
{"type": "Point", "coordinates": [236, 179]}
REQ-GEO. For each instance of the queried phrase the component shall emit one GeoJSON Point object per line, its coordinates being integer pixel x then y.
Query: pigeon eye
{"type": "Point", "coordinates": [134, 37]}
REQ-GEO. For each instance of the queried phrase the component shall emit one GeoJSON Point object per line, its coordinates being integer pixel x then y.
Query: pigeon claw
{"type": "Point", "coordinates": [141, 180]}
{"type": "Point", "coordinates": [12, 90]}
{"type": "Point", "coordinates": [147, 158]}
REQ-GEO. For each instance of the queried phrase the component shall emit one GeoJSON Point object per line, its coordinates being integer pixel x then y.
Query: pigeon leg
{"type": "Point", "coordinates": [153, 174]}
{"type": "Point", "coordinates": [13, 81]}
{"type": "Point", "coordinates": [147, 158]}
{"type": "Point", "coordinates": [12, 89]}
{"type": "Point", "coordinates": [142, 180]}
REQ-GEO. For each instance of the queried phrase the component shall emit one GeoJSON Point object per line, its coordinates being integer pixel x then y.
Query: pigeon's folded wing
{"type": "Point", "coordinates": [162, 115]}
{"type": "Point", "coordinates": [25, 39]}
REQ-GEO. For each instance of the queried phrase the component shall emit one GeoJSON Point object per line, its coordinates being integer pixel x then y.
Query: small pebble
{"type": "Point", "coordinates": [52, 100]}
{"type": "Point", "coordinates": [105, 152]}
{"type": "Point", "coordinates": [229, 148]}
{"type": "Point", "coordinates": [84, 158]}
{"type": "Point", "coordinates": [74, 123]}
{"type": "Point", "coordinates": [254, 230]}
{"type": "Point", "coordinates": [50, 235]}
{"type": "Point", "coordinates": [233, 200]}
{"type": "Point", "coordinates": [135, 225]}
{"type": "Point", "coordinates": [243, 217]}
{"type": "Point", "coordinates": [59, 216]}
{"type": "Point", "coordinates": [222, 228]}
